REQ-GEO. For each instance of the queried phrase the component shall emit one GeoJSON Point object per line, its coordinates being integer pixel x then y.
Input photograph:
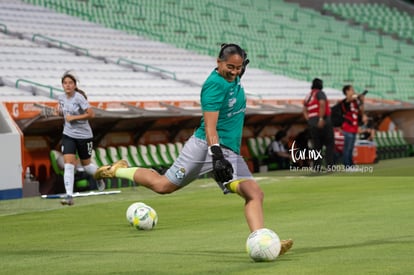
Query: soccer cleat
{"type": "Point", "coordinates": [67, 201]}
{"type": "Point", "coordinates": [285, 245]}
{"type": "Point", "coordinates": [108, 171]}
{"type": "Point", "coordinates": [101, 185]}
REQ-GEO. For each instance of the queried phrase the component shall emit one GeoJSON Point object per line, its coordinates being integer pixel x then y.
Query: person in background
{"type": "Point", "coordinates": [366, 130]}
{"type": "Point", "coordinates": [354, 108]}
{"type": "Point", "coordinates": [317, 112]}
{"type": "Point", "coordinates": [214, 146]}
{"type": "Point", "coordinates": [277, 151]}
{"type": "Point", "coordinates": [77, 134]}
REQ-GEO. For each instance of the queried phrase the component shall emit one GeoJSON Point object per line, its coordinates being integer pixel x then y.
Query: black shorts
{"type": "Point", "coordinates": [83, 147]}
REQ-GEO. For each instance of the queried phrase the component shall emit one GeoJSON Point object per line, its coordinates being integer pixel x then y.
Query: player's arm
{"type": "Point", "coordinates": [322, 105]}
{"type": "Point", "coordinates": [88, 114]}
{"type": "Point", "coordinates": [305, 112]}
{"type": "Point", "coordinates": [210, 120]}
{"type": "Point", "coordinates": [222, 168]}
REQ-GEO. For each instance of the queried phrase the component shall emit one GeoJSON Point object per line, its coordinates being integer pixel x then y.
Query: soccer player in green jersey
{"type": "Point", "coordinates": [215, 145]}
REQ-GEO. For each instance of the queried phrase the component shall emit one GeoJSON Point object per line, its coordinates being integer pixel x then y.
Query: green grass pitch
{"type": "Point", "coordinates": [341, 224]}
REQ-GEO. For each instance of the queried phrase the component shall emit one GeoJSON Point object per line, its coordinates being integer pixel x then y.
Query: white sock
{"type": "Point", "coordinates": [69, 178]}
{"type": "Point", "coordinates": [90, 168]}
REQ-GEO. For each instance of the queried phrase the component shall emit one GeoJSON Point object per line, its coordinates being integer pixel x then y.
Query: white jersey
{"type": "Point", "coordinates": [75, 105]}
{"type": "Point", "coordinates": [277, 146]}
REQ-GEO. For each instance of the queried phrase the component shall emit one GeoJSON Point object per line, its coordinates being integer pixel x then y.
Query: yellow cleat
{"type": "Point", "coordinates": [285, 245]}
{"type": "Point", "coordinates": [108, 171]}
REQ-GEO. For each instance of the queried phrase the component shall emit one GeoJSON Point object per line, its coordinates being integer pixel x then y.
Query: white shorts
{"type": "Point", "coordinates": [194, 161]}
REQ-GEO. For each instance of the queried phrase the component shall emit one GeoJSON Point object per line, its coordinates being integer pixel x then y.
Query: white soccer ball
{"type": "Point", "coordinates": [130, 211]}
{"type": "Point", "coordinates": [145, 218]}
{"type": "Point", "coordinates": [263, 245]}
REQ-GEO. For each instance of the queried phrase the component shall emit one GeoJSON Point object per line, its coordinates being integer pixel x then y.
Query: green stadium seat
{"type": "Point", "coordinates": [54, 155]}
{"type": "Point", "coordinates": [398, 136]}
{"type": "Point", "coordinates": [124, 154]}
{"type": "Point", "coordinates": [382, 150]}
{"type": "Point", "coordinates": [112, 154]}
{"type": "Point", "coordinates": [146, 156]}
{"type": "Point", "coordinates": [179, 146]}
{"type": "Point", "coordinates": [172, 150]}
{"type": "Point", "coordinates": [154, 156]}
{"type": "Point", "coordinates": [257, 152]}
{"type": "Point", "coordinates": [267, 23]}
{"type": "Point", "coordinates": [393, 141]}
{"type": "Point", "coordinates": [164, 155]}
{"type": "Point", "coordinates": [135, 157]}
{"type": "Point", "coordinates": [102, 157]}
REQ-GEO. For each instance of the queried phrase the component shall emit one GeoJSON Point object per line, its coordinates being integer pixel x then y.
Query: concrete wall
{"type": "Point", "coordinates": [10, 157]}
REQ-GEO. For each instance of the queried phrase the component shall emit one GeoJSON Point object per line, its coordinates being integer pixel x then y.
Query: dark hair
{"type": "Point", "coordinates": [317, 84]}
{"type": "Point", "coordinates": [231, 49]}
{"type": "Point", "coordinates": [346, 88]}
{"type": "Point", "coordinates": [279, 135]}
{"type": "Point", "coordinates": [74, 80]}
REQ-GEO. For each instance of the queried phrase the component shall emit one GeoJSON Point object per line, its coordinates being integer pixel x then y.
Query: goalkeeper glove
{"type": "Point", "coordinates": [222, 168]}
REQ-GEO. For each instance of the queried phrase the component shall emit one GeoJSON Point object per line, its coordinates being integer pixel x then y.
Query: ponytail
{"type": "Point", "coordinates": [81, 92]}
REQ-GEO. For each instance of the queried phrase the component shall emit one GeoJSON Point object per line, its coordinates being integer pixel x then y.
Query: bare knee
{"type": "Point", "coordinates": [250, 190]}
{"type": "Point", "coordinates": [163, 186]}
{"type": "Point", "coordinates": [163, 189]}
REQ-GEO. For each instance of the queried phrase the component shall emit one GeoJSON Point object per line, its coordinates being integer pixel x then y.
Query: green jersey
{"type": "Point", "coordinates": [228, 98]}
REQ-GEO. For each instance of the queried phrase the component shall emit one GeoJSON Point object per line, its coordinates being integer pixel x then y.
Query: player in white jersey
{"type": "Point", "coordinates": [77, 134]}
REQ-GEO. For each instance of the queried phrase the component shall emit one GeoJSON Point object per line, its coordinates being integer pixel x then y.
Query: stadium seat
{"type": "Point", "coordinates": [409, 147]}
{"type": "Point", "coordinates": [172, 150]}
{"type": "Point", "coordinates": [101, 156]}
{"type": "Point", "coordinates": [155, 157]}
{"type": "Point", "coordinates": [256, 150]}
{"type": "Point", "coordinates": [261, 145]}
{"type": "Point", "coordinates": [54, 155]}
{"type": "Point", "coordinates": [112, 154]}
{"type": "Point", "coordinates": [124, 154]}
{"type": "Point", "coordinates": [164, 155]}
{"type": "Point", "coordinates": [125, 15]}
{"type": "Point", "coordinates": [136, 157]}
{"type": "Point", "coordinates": [179, 147]}
{"type": "Point", "coordinates": [403, 146]}
{"type": "Point", "coordinates": [146, 156]}
{"type": "Point", "coordinates": [382, 150]}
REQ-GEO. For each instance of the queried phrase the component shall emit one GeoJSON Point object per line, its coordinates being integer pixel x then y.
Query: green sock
{"type": "Point", "coordinates": [126, 173]}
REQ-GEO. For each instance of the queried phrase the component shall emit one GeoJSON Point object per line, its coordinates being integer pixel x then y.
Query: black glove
{"type": "Point", "coordinates": [222, 168]}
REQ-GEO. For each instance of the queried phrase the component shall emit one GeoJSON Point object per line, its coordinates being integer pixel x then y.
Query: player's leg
{"type": "Point", "coordinates": [69, 159]}
{"type": "Point", "coordinates": [330, 145]}
{"type": "Point", "coordinates": [85, 147]}
{"type": "Point", "coordinates": [253, 207]}
{"type": "Point", "coordinates": [189, 165]}
{"type": "Point", "coordinates": [146, 177]}
{"type": "Point", "coordinates": [246, 187]}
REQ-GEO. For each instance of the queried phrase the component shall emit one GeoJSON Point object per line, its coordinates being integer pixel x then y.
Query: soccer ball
{"type": "Point", "coordinates": [263, 245]}
{"type": "Point", "coordinates": [130, 211]}
{"type": "Point", "coordinates": [145, 218]}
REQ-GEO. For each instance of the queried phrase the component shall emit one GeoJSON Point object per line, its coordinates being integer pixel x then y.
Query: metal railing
{"type": "Point", "coordinates": [147, 67]}
{"type": "Point", "coordinates": [4, 26]}
{"type": "Point", "coordinates": [60, 44]}
{"type": "Point", "coordinates": [50, 88]}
